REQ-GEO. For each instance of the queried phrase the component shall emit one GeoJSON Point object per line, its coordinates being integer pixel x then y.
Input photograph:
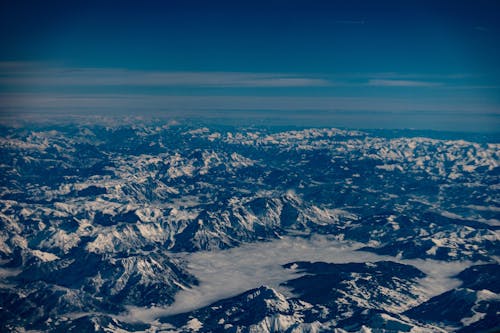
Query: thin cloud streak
{"type": "Point", "coordinates": [28, 75]}
{"type": "Point", "coordinates": [418, 76]}
{"type": "Point", "coordinates": [402, 83]}
{"type": "Point", "coordinates": [350, 22]}
{"type": "Point", "coordinates": [481, 28]}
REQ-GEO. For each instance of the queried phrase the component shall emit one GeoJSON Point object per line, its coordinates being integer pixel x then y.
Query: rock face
{"type": "Point", "coordinates": [92, 219]}
{"type": "Point", "coordinates": [353, 287]}
{"type": "Point", "coordinates": [257, 308]}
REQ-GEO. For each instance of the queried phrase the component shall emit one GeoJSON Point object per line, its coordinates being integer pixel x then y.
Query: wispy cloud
{"type": "Point", "coordinates": [29, 74]}
{"type": "Point", "coordinates": [481, 28]}
{"type": "Point", "coordinates": [417, 76]}
{"type": "Point", "coordinates": [19, 75]}
{"type": "Point", "coordinates": [402, 83]}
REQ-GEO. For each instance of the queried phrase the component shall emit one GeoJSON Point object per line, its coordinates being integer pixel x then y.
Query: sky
{"type": "Point", "coordinates": [389, 64]}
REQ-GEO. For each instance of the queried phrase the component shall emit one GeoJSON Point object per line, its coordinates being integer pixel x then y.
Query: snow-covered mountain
{"type": "Point", "coordinates": [93, 217]}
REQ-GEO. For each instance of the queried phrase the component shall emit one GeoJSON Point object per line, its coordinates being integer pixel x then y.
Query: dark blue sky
{"type": "Point", "coordinates": [380, 56]}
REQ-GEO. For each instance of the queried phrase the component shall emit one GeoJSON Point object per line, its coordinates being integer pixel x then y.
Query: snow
{"type": "Point", "coordinates": [8, 272]}
{"type": "Point", "coordinates": [432, 251]}
{"type": "Point", "coordinates": [276, 323]}
{"type": "Point", "coordinates": [484, 208]}
{"type": "Point", "coordinates": [365, 329]}
{"type": "Point", "coordinates": [227, 273]}
{"type": "Point", "coordinates": [487, 295]}
{"type": "Point", "coordinates": [194, 325]}
{"type": "Point", "coordinates": [390, 219]}
{"type": "Point", "coordinates": [390, 167]}
{"type": "Point", "coordinates": [61, 240]}
{"type": "Point", "coordinates": [475, 317]}
{"type": "Point", "coordinates": [482, 295]}
{"type": "Point", "coordinates": [491, 222]}
{"type": "Point", "coordinates": [102, 243]}
{"type": "Point", "coordinates": [44, 256]}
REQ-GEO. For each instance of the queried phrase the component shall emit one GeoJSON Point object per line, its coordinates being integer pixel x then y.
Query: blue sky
{"type": "Point", "coordinates": [335, 57]}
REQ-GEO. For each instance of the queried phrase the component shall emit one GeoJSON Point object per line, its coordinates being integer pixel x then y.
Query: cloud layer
{"type": "Point", "coordinates": [227, 273]}
{"type": "Point", "coordinates": [144, 103]}
{"type": "Point", "coordinates": [24, 74]}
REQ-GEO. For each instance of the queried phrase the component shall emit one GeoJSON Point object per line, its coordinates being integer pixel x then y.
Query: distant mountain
{"type": "Point", "coordinates": [92, 218]}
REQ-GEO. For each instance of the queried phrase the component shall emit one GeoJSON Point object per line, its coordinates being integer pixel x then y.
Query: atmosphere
{"type": "Point", "coordinates": [278, 56]}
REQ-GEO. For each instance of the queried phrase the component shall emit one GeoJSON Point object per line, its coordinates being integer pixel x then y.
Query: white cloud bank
{"type": "Point", "coordinates": [227, 273]}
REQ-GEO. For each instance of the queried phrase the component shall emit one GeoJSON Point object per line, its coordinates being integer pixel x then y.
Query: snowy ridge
{"type": "Point", "coordinates": [93, 217]}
